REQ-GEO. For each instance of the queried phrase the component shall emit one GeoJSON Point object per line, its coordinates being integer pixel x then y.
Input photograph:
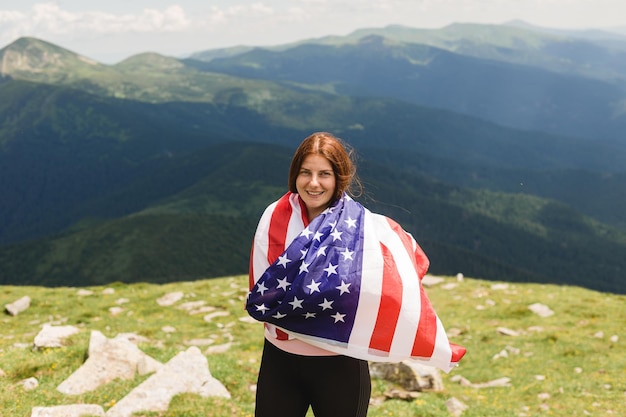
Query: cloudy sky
{"type": "Point", "coordinates": [112, 30]}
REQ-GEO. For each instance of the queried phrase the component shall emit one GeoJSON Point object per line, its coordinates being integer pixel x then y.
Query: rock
{"type": "Point", "coordinates": [541, 310]}
{"type": "Point", "coordinates": [211, 316]}
{"type": "Point", "coordinates": [116, 311]}
{"type": "Point", "coordinates": [187, 372]}
{"type": "Point", "coordinates": [107, 360]}
{"type": "Point", "coordinates": [500, 382]}
{"type": "Point", "coordinates": [170, 298]}
{"type": "Point", "coordinates": [455, 406]}
{"type": "Point", "coordinates": [76, 410]}
{"type": "Point", "coordinates": [430, 280]}
{"type": "Point", "coordinates": [18, 306]}
{"type": "Point", "coordinates": [400, 394]}
{"type": "Point", "coordinates": [410, 375]}
{"type": "Point", "coordinates": [224, 347]}
{"type": "Point", "coordinates": [507, 332]}
{"type": "Point", "coordinates": [54, 336]}
{"type": "Point", "coordinates": [29, 384]}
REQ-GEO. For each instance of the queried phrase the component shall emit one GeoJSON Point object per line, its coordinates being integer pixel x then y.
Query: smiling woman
{"type": "Point", "coordinates": [336, 286]}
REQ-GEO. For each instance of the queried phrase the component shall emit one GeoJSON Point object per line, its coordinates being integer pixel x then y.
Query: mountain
{"type": "Point", "coordinates": [520, 96]}
{"type": "Point", "coordinates": [205, 229]}
{"type": "Point", "coordinates": [156, 169]}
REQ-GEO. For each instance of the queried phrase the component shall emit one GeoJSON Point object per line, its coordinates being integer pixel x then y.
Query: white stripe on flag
{"type": "Point", "coordinates": [369, 301]}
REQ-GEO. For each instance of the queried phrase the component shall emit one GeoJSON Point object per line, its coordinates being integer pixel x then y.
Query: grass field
{"type": "Point", "coordinates": [572, 363]}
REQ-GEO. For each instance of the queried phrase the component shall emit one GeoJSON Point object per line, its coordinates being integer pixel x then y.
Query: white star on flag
{"type": "Point", "coordinates": [338, 317]}
{"type": "Point", "coordinates": [331, 269]}
{"type": "Point", "coordinates": [283, 284]}
{"type": "Point", "coordinates": [347, 254]}
{"type": "Point", "coordinates": [262, 288]}
{"type": "Point", "coordinates": [326, 304]}
{"type": "Point", "coordinates": [296, 303]}
{"type": "Point", "coordinates": [283, 260]}
{"type": "Point", "coordinates": [314, 286]}
{"type": "Point", "coordinates": [262, 308]}
{"type": "Point", "coordinates": [343, 288]}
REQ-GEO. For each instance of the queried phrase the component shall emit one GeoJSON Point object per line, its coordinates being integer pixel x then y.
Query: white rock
{"type": "Point", "coordinates": [541, 310]}
{"type": "Point", "coordinates": [29, 384]}
{"type": "Point", "coordinates": [75, 410]}
{"type": "Point", "coordinates": [170, 298]}
{"type": "Point", "coordinates": [211, 316]}
{"type": "Point", "coordinates": [187, 372]}
{"type": "Point", "coordinates": [54, 336]}
{"type": "Point", "coordinates": [108, 359]}
{"type": "Point", "coordinates": [18, 306]}
{"type": "Point", "coordinates": [455, 406]}
{"type": "Point", "coordinates": [430, 280]}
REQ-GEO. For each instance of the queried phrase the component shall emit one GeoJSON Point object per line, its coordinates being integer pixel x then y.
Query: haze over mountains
{"type": "Point", "coordinates": [500, 147]}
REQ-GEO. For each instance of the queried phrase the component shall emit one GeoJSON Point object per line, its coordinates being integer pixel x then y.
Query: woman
{"type": "Point", "coordinates": [336, 286]}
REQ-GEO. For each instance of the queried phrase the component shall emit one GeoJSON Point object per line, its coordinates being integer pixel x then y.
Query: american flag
{"type": "Point", "coordinates": [348, 282]}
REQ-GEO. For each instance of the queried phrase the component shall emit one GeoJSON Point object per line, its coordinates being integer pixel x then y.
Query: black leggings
{"type": "Point", "coordinates": [334, 386]}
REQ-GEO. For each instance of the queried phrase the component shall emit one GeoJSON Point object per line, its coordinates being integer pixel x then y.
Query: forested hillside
{"type": "Point", "coordinates": [156, 169]}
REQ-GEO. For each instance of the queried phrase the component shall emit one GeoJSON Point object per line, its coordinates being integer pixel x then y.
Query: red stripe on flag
{"type": "Point", "coordinates": [389, 308]}
{"type": "Point", "coordinates": [279, 223]}
{"type": "Point", "coordinates": [424, 343]}
{"type": "Point", "coordinates": [457, 352]}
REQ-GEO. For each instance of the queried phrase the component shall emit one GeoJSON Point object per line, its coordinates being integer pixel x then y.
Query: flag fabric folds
{"type": "Point", "coordinates": [348, 282]}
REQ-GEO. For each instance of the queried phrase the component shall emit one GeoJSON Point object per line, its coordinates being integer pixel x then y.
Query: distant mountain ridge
{"type": "Point", "coordinates": [157, 168]}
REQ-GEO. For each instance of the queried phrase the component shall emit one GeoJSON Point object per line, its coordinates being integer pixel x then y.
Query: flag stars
{"type": "Point", "coordinates": [262, 308]}
{"type": "Point", "coordinates": [279, 315]}
{"type": "Point", "coordinates": [304, 267]}
{"type": "Point", "coordinates": [309, 315]}
{"type": "Point", "coordinates": [283, 284]}
{"type": "Point", "coordinates": [336, 234]}
{"type": "Point", "coordinates": [343, 288]}
{"type": "Point", "coordinates": [283, 260]}
{"type": "Point", "coordinates": [295, 303]}
{"type": "Point", "coordinates": [326, 304]}
{"type": "Point", "coordinates": [331, 269]}
{"type": "Point", "coordinates": [261, 288]}
{"type": "Point", "coordinates": [347, 254]}
{"type": "Point", "coordinates": [306, 232]}
{"type": "Point", "coordinates": [350, 222]}
{"type": "Point", "coordinates": [318, 236]}
{"type": "Point", "coordinates": [314, 286]}
{"type": "Point", "coordinates": [338, 317]}
{"type": "Point", "coordinates": [321, 251]}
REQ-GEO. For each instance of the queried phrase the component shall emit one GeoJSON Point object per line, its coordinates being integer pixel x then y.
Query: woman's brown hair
{"type": "Point", "coordinates": [338, 154]}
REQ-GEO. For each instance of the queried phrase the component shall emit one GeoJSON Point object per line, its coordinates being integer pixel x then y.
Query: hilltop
{"type": "Point", "coordinates": [567, 364]}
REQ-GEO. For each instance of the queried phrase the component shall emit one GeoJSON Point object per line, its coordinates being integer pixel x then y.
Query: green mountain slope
{"type": "Point", "coordinates": [206, 229]}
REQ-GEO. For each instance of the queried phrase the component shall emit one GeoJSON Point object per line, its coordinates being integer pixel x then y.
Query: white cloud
{"type": "Point", "coordinates": [48, 19]}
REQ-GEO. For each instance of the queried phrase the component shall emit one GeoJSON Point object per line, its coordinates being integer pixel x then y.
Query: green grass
{"type": "Point", "coordinates": [561, 357]}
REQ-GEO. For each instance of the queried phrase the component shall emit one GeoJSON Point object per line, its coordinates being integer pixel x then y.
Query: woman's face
{"type": "Point", "coordinates": [316, 184]}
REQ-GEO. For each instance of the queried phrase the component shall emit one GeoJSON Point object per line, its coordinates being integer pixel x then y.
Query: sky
{"type": "Point", "coordinates": [110, 31]}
